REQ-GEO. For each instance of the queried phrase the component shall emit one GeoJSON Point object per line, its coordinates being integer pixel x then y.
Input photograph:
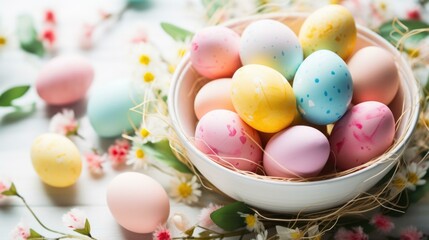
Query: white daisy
{"type": "Point", "coordinates": [138, 158]}
{"type": "Point", "coordinates": [151, 130]}
{"type": "Point", "coordinates": [262, 235]}
{"type": "Point", "coordinates": [252, 222]}
{"type": "Point", "coordinates": [64, 123]}
{"type": "Point", "coordinates": [74, 219]}
{"type": "Point", "coordinates": [414, 175]}
{"type": "Point", "coordinates": [184, 190]}
{"type": "Point", "coordinates": [285, 233]}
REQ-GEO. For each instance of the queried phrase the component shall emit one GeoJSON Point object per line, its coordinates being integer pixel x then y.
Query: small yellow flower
{"type": "Point", "coordinates": [3, 41]}
{"type": "Point", "coordinates": [140, 153]}
{"type": "Point", "coordinates": [413, 52]}
{"type": "Point", "coordinates": [138, 158]}
{"type": "Point", "coordinates": [184, 190]}
{"type": "Point", "coordinates": [383, 6]}
{"type": "Point", "coordinates": [252, 222]}
{"type": "Point", "coordinates": [148, 77]}
{"type": "Point", "coordinates": [144, 132]}
{"type": "Point", "coordinates": [171, 68]}
{"type": "Point", "coordinates": [181, 52]}
{"type": "Point", "coordinates": [144, 59]}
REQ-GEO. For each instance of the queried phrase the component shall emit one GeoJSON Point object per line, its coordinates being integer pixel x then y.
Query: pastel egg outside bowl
{"type": "Point", "coordinates": [294, 197]}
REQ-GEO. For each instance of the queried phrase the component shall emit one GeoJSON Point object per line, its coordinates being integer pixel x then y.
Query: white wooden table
{"type": "Point", "coordinates": [109, 58]}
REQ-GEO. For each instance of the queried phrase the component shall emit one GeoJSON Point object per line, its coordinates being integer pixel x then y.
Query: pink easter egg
{"type": "Point", "coordinates": [365, 132]}
{"type": "Point", "coordinates": [137, 202]}
{"type": "Point", "coordinates": [298, 151]}
{"type": "Point", "coordinates": [228, 140]}
{"type": "Point", "coordinates": [215, 52]}
{"type": "Point", "coordinates": [64, 80]}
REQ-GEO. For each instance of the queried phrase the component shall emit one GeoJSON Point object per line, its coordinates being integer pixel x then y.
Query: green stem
{"type": "Point", "coordinates": [216, 236]}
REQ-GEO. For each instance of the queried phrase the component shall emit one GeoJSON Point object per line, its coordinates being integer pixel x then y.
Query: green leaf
{"type": "Point", "coordinates": [162, 152]}
{"type": "Point", "coordinates": [212, 6]}
{"type": "Point", "coordinates": [34, 235]}
{"type": "Point", "coordinates": [85, 231]}
{"type": "Point", "coordinates": [11, 191]}
{"type": "Point", "coordinates": [7, 97]}
{"type": "Point", "coordinates": [228, 217]}
{"type": "Point", "coordinates": [177, 33]}
{"type": "Point", "coordinates": [388, 31]}
{"type": "Point", "coordinates": [28, 37]}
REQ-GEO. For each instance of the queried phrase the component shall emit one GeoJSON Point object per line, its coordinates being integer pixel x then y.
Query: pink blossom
{"type": "Point", "coordinates": [204, 217]}
{"type": "Point", "coordinates": [95, 162]}
{"type": "Point", "coordinates": [21, 232]}
{"type": "Point", "coordinates": [104, 15]}
{"type": "Point", "coordinates": [64, 123]}
{"type": "Point", "coordinates": [382, 223]}
{"type": "Point", "coordinates": [411, 233]}
{"type": "Point", "coordinates": [162, 233]}
{"type": "Point", "coordinates": [4, 186]}
{"type": "Point", "coordinates": [118, 152]}
{"type": "Point", "coordinates": [356, 233]}
{"type": "Point", "coordinates": [414, 14]}
{"type": "Point", "coordinates": [141, 36]}
{"type": "Point", "coordinates": [49, 17]}
{"type": "Point", "coordinates": [74, 219]}
{"type": "Point", "coordinates": [49, 36]}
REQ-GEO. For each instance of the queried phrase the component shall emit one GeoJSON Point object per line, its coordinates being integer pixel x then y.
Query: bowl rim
{"type": "Point", "coordinates": [412, 89]}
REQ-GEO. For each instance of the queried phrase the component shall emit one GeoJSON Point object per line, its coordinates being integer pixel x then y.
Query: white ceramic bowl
{"type": "Point", "coordinates": [285, 196]}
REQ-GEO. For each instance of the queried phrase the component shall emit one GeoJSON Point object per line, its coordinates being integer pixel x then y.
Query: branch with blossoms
{"type": "Point", "coordinates": [75, 220]}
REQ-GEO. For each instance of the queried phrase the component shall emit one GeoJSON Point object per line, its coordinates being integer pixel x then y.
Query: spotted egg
{"type": "Point", "coordinates": [323, 87]}
{"type": "Point", "coordinates": [273, 44]}
{"type": "Point", "coordinates": [229, 141]}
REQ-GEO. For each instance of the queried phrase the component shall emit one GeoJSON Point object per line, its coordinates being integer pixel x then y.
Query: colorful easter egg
{"type": "Point", "coordinates": [228, 140]}
{"type": "Point", "coordinates": [332, 28]}
{"type": "Point", "coordinates": [323, 87]}
{"type": "Point", "coordinates": [137, 202]}
{"type": "Point", "coordinates": [109, 108]}
{"type": "Point", "coordinates": [56, 160]}
{"type": "Point", "coordinates": [375, 76]}
{"type": "Point", "coordinates": [365, 132]}
{"type": "Point", "coordinates": [213, 95]}
{"type": "Point", "coordinates": [263, 98]}
{"type": "Point", "coordinates": [298, 151]}
{"type": "Point", "coordinates": [215, 52]}
{"type": "Point", "coordinates": [273, 44]}
{"type": "Point", "coordinates": [64, 80]}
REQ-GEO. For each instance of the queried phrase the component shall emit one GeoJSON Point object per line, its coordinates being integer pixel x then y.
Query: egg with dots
{"type": "Point", "coordinates": [365, 132]}
{"type": "Point", "coordinates": [263, 98]}
{"type": "Point", "coordinates": [64, 80]}
{"type": "Point", "coordinates": [332, 28]}
{"type": "Point", "coordinates": [215, 52]}
{"type": "Point", "coordinates": [213, 95]}
{"type": "Point", "coordinates": [229, 141]}
{"type": "Point", "coordinates": [273, 44]}
{"type": "Point", "coordinates": [375, 76]}
{"type": "Point", "coordinates": [137, 202]}
{"type": "Point", "coordinates": [296, 152]}
{"type": "Point", "coordinates": [56, 160]}
{"type": "Point", "coordinates": [323, 87]}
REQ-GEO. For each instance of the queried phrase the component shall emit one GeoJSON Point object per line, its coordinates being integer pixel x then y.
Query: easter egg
{"type": "Point", "coordinates": [323, 87]}
{"type": "Point", "coordinates": [137, 202]}
{"type": "Point", "coordinates": [215, 52]}
{"type": "Point", "coordinates": [332, 28]}
{"type": "Point", "coordinates": [56, 160]}
{"type": "Point", "coordinates": [213, 95]}
{"type": "Point", "coordinates": [365, 132]}
{"type": "Point", "coordinates": [229, 141]}
{"type": "Point", "coordinates": [273, 44]}
{"type": "Point", "coordinates": [298, 151]}
{"type": "Point", "coordinates": [263, 98]}
{"type": "Point", "coordinates": [109, 108]}
{"type": "Point", "coordinates": [64, 80]}
{"type": "Point", "coordinates": [375, 76]}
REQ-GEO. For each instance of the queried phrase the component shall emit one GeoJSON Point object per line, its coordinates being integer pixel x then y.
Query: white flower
{"type": "Point", "coordinates": [204, 218]}
{"type": "Point", "coordinates": [180, 222]}
{"type": "Point", "coordinates": [153, 129]}
{"type": "Point", "coordinates": [262, 235]}
{"type": "Point", "coordinates": [252, 222]}
{"type": "Point", "coordinates": [415, 173]}
{"type": "Point", "coordinates": [313, 233]}
{"type": "Point", "coordinates": [21, 232]}
{"type": "Point", "coordinates": [64, 123]}
{"type": "Point", "coordinates": [285, 233]}
{"type": "Point", "coordinates": [187, 191]}
{"type": "Point", "coordinates": [74, 219]}
{"type": "Point", "coordinates": [138, 158]}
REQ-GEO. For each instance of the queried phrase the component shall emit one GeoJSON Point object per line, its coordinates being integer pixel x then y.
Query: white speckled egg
{"type": "Point", "coordinates": [323, 87]}
{"type": "Point", "coordinates": [273, 44]}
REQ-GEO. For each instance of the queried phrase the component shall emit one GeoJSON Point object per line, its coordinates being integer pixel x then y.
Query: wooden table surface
{"type": "Point", "coordinates": [109, 58]}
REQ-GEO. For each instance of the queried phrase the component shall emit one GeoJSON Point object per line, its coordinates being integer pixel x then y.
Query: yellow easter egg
{"type": "Point", "coordinates": [56, 160]}
{"type": "Point", "coordinates": [332, 28]}
{"type": "Point", "coordinates": [263, 98]}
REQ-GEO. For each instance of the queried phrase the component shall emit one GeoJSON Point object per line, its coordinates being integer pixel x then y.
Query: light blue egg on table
{"type": "Point", "coordinates": [109, 108]}
{"type": "Point", "coordinates": [323, 87]}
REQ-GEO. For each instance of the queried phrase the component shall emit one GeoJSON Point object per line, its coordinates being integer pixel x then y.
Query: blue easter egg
{"type": "Point", "coordinates": [109, 109]}
{"type": "Point", "coordinates": [323, 87]}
